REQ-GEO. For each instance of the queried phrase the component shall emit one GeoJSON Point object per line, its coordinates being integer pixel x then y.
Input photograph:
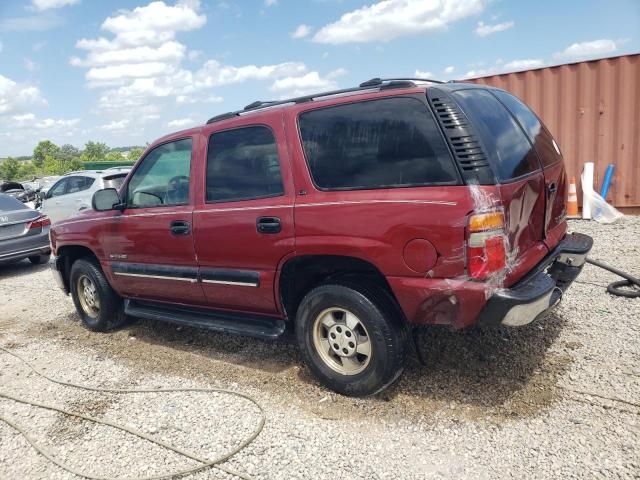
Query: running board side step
{"type": "Point", "coordinates": [267, 328]}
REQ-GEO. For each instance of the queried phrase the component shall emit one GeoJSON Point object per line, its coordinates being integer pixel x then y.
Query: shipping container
{"type": "Point", "coordinates": [592, 108]}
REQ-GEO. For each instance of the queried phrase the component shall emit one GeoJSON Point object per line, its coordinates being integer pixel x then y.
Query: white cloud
{"type": "Point", "coordinates": [213, 73]}
{"type": "Point", "coordinates": [156, 19]}
{"type": "Point", "coordinates": [525, 64]}
{"type": "Point", "coordinates": [301, 31]}
{"type": "Point", "coordinates": [484, 29]}
{"type": "Point", "coordinates": [499, 66]}
{"type": "Point", "coordinates": [311, 82]}
{"type": "Point", "coordinates": [593, 48]}
{"type": "Point", "coordinates": [32, 23]}
{"type": "Point", "coordinates": [449, 70]}
{"type": "Point", "coordinates": [47, 4]}
{"type": "Point", "coordinates": [24, 117]}
{"type": "Point", "coordinates": [271, 3]}
{"type": "Point", "coordinates": [116, 125]}
{"type": "Point", "coordinates": [181, 122]}
{"type": "Point", "coordinates": [423, 74]}
{"type": "Point", "coordinates": [16, 97]}
{"type": "Point", "coordinates": [389, 19]}
{"type": "Point", "coordinates": [30, 65]}
{"type": "Point", "coordinates": [194, 54]}
{"type": "Point", "coordinates": [50, 123]}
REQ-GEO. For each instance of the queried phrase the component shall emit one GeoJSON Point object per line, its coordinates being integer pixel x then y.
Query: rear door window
{"type": "Point", "coordinates": [538, 134]}
{"type": "Point", "coordinates": [392, 142]}
{"type": "Point", "coordinates": [243, 164]}
{"type": "Point", "coordinates": [510, 152]}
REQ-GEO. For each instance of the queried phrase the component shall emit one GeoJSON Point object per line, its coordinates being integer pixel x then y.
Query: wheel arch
{"type": "Point", "coordinates": [300, 274]}
{"type": "Point", "coordinates": [68, 255]}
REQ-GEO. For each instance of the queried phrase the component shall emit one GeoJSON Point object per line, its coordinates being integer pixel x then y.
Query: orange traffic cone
{"type": "Point", "coordinates": [572, 201]}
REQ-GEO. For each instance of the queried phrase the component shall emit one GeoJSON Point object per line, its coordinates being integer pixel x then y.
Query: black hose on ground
{"type": "Point", "coordinates": [630, 287]}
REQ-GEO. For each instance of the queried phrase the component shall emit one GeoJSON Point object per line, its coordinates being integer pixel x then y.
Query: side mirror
{"type": "Point", "coordinates": [105, 199]}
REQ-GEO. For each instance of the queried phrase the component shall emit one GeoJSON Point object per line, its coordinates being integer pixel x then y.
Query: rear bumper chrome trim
{"type": "Point", "coordinates": [541, 290]}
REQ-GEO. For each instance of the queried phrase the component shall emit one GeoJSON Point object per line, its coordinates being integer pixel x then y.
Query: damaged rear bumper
{"type": "Point", "coordinates": [540, 290]}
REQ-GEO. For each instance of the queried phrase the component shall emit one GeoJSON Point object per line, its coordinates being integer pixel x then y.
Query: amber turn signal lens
{"type": "Point", "coordinates": [482, 222]}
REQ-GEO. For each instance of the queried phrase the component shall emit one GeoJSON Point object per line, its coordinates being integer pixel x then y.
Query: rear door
{"type": "Point", "coordinates": [519, 176]}
{"type": "Point", "coordinates": [243, 224]}
{"type": "Point", "coordinates": [75, 196]}
{"type": "Point", "coordinates": [553, 166]}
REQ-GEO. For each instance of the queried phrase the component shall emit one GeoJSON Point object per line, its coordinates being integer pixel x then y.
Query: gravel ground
{"type": "Point", "coordinates": [557, 399]}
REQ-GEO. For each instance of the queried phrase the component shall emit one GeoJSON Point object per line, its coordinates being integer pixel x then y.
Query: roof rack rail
{"type": "Point", "coordinates": [381, 83]}
{"type": "Point", "coordinates": [259, 104]}
{"type": "Point", "coordinates": [374, 82]}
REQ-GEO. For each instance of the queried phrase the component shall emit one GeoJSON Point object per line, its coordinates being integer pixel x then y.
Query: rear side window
{"type": "Point", "coordinates": [509, 150]}
{"type": "Point", "coordinates": [536, 131]}
{"type": "Point", "coordinates": [392, 142]}
{"type": "Point", "coordinates": [78, 184]}
{"type": "Point", "coordinates": [114, 181]}
{"type": "Point", "coordinates": [243, 164]}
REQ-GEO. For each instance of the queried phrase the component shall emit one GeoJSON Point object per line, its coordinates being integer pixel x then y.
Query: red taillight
{"type": "Point", "coordinates": [42, 221]}
{"type": "Point", "coordinates": [486, 252]}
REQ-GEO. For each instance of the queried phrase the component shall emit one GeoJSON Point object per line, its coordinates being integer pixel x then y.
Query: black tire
{"type": "Point", "coordinates": [39, 259]}
{"type": "Point", "coordinates": [387, 332]}
{"type": "Point", "coordinates": [111, 311]}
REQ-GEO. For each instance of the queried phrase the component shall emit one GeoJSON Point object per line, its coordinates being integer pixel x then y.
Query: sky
{"type": "Point", "coordinates": [127, 72]}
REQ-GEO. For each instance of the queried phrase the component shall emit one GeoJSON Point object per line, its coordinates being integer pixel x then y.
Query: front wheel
{"type": "Point", "coordinates": [99, 307]}
{"type": "Point", "coordinates": [352, 337]}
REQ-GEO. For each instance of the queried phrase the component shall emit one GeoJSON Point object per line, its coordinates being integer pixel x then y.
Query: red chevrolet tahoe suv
{"type": "Point", "coordinates": [349, 217]}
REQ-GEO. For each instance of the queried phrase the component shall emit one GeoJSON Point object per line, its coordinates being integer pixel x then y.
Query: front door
{"type": "Point", "coordinates": [149, 245]}
{"type": "Point", "coordinates": [243, 222]}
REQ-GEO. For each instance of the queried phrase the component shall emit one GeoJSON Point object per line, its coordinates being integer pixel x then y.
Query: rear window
{"type": "Point", "coordinates": [8, 203]}
{"type": "Point", "coordinates": [392, 142]}
{"type": "Point", "coordinates": [510, 152]}
{"type": "Point", "coordinates": [536, 131]}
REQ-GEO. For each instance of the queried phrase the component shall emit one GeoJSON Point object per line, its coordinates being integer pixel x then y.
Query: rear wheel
{"type": "Point", "coordinates": [99, 307]}
{"type": "Point", "coordinates": [39, 259]}
{"type": "Point", "coordinates": [352, 337]}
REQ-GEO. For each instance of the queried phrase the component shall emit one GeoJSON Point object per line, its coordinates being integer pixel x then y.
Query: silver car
{"type": "Point", "coordinates": [74, 191]}
{"type": "Point", "coordinates": [24, 232]}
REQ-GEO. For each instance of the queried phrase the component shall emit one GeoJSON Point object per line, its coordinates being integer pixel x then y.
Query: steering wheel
{"type": "Point", "coordinates": [178, 189]}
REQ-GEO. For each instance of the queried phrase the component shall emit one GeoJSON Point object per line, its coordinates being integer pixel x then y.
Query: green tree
{"type": "Point", "coordinates": [27, 171]}
{"type": "Point", "coordinates": [44, 148]}
{"type": "Point", "coordinates": [94, 152]}
{"type": "Point", "coordinates": [114, 157]}
{"type": "Point", "coordinates": [9, 169]}
{"type": "Point", "coordinates": [51, 165]}
{"type": "Point", "coordinates": [135, 153]}
{"type": "Point", "coordinates": [68, 152]}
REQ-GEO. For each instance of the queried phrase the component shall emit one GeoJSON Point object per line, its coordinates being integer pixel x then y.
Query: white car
{"type": "Point", "coordinates": [74, 191]}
